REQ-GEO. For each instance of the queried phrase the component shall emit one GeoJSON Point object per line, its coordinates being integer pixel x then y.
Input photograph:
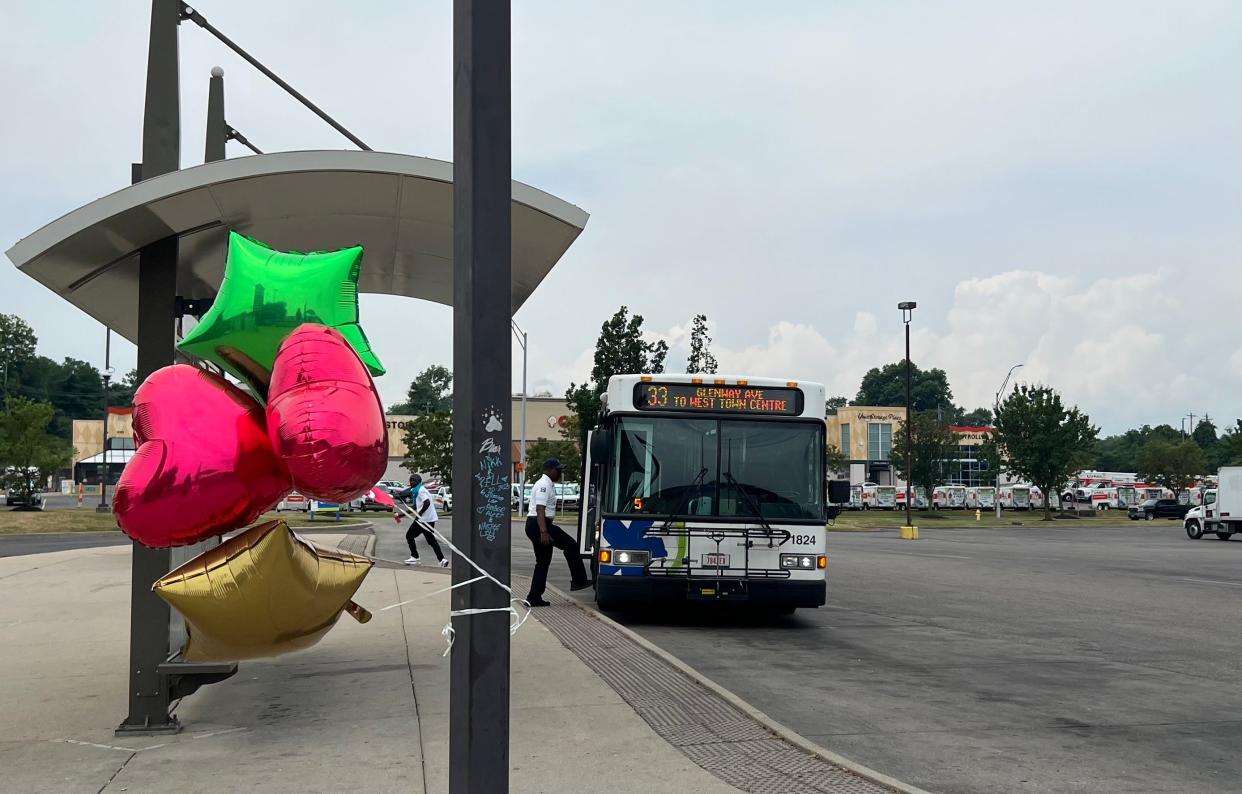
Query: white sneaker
{"type": "Point", "coordinates": [444, 563]}
{"type": "Point", "coordinates": [412, 561]}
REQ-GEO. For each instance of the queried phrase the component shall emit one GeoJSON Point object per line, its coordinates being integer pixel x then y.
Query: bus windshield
{"type": "Point", "coordinates": [722, 468]}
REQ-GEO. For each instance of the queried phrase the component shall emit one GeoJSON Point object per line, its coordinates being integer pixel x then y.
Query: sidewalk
{"type": "Point", "coordinates": [366, 710]}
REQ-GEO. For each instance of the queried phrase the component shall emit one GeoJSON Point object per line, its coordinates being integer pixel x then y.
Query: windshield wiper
{"type": "Point", "coordinates": [697, 485]}
{"type": "Point", "coordinates": [753, 504]}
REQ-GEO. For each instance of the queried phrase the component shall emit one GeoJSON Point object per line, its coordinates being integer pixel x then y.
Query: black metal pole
{"type": "Point", "coordinates": [482, 308]}
{"type": "Point", "coordinates": [909, 448]}
{"type": "Point", "coordinates": [149, 694]}
{"type": "Point", "coordinates": [217, 128]}
{"type": "Point", "coordinates": [107, 380]}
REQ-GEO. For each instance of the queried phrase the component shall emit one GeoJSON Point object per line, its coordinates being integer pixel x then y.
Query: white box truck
{"type": "Point", "coordinates": [1221, 511]}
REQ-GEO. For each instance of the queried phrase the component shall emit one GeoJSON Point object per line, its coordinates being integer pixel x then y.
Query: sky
{"type": "Point", "coordinates": [1056, 184]}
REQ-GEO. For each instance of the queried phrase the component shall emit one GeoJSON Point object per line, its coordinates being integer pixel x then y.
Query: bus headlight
{"type": "Point", "coordinates": [804, 562]}
{"type": "Point", "coordinates": [630, 557]}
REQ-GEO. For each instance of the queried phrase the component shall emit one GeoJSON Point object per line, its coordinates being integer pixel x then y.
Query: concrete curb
{"type": "Point", "coordinates": [772, 725]}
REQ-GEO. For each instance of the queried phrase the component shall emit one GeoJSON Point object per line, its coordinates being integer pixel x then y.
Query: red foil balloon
{"type": "Point", "coordinates": [204, 464]}
{"type": "Point", "coordinates": [324, 416]}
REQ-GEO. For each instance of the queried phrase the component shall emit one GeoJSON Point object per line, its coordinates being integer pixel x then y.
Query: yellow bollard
{"type": "Point", "coordinates": [978, 515]}
{"type": "Point", "coordinates": [909, 533]}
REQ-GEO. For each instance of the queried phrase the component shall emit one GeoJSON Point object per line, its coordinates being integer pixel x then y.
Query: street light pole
{"type": "Point", "coordinates": [521, 337]}
{"type": "Point", "coordinates": [1000, 466]}
{"type": "Point", "coordinates": [907, 314]}
{"type": "Point", "coordinates": [107, 380]}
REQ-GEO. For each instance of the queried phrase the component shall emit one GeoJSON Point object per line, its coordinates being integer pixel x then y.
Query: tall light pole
{"type": "Point", "coordinates": [1000, 466]}
{"type": "Point", "coordinates": [520, 335]}
{"type": "Point", "coordinates": [107, 380]}
{"type": "Point", "coordinates": [907, 314]}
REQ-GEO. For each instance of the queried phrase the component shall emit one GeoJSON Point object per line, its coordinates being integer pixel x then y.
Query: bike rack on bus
{"type": "Point", "coordinates": [718, 536]}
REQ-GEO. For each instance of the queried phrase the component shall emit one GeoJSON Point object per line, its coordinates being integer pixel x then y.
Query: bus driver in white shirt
{"type": "Point", "coordinates": [545, 536]}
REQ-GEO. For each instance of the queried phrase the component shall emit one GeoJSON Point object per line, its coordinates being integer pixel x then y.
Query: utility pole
{"type": "Point", "coordinates": [482, 361]}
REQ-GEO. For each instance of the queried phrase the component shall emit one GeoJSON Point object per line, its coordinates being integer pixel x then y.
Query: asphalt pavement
{"type": "Point", "coordinates": [1041, 660]}
{"type": "Point", "coordinates": [1032, 659]}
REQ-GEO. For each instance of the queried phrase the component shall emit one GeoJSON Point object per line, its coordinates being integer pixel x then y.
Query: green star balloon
{"type": "Point", "coordinates": [265, 295]}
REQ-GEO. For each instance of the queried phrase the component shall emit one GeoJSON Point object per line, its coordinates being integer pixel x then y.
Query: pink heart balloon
{"type": "Point", "coordinates": [324, 416]}
{"type": "Point", "coordinates": [203, 466]}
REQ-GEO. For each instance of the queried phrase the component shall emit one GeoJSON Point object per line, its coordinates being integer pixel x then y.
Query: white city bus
{"type": "Point", "coordinates": [708, 489]}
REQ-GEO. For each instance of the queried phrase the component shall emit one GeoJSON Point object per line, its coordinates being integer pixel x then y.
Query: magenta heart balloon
{"type": "Point", "coordinates": [203, 465]}
{"type": "Point", "coordinates": [324, 416]}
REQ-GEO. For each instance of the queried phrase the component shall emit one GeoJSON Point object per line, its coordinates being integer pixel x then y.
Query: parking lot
{"type": "Point", "coordinates": [1031, 659]}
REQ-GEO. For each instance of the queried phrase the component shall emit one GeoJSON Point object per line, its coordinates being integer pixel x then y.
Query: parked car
{"type": "Point", "coordinates": [443, 499]}
{"type": "Point", "coordinates": [1151, 509]}
{"type": "Point", "coordinates": [568, 494]}
{"type": "Point", "coordinates": [14, 500]}
{"type": "Point", "coordinates": [366, 503]}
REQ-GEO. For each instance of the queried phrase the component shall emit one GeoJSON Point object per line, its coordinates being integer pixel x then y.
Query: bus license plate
{"type": "Point", "coordinates": [715, 560]}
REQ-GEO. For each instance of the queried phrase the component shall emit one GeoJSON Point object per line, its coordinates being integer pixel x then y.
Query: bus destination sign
{"type": "Point", "coordinates": [718, 398]}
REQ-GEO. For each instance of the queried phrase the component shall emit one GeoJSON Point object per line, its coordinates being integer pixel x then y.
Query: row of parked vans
{"type": "Point", "coordinates": [870, 496]}
{"type": "Point", "coordinates": [1121, 496]}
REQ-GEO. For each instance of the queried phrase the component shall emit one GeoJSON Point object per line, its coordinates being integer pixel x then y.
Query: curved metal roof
{"type": "Point", "coordinates": [399, 207]}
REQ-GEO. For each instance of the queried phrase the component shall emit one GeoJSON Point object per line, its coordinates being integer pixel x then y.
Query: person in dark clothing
{"type": "Point", "coordinates": [545, 535]}
{"type": "Point", "coordinates": [425, 508]}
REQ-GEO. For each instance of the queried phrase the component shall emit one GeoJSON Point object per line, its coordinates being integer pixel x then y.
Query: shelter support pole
{"type": "Point", "coordinates": [482, 428]}
{"type": "Point", "coordinates": [149, 691]}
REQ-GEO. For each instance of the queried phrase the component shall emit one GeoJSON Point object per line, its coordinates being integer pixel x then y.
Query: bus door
{"type": "Point", "coordinates": [588, 506]}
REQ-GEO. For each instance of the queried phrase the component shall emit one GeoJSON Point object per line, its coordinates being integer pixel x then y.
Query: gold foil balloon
{"type": "Point", "coordinates": [262, 593]}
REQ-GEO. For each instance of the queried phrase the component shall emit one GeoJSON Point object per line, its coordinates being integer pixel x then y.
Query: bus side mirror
{"type": "Point", "coordinates": [838, 491]}
{"type": "Point", "coordinates": [600, 442]}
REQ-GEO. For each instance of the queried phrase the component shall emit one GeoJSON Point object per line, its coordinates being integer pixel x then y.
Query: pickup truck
{"type": "Point", "coordinates": [1151, 509]}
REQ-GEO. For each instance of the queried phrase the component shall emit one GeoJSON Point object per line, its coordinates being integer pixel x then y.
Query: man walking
{"type": "Point", "coordinates": [425, 508]}
{"type": "Point", "coordinates": [544, 536]}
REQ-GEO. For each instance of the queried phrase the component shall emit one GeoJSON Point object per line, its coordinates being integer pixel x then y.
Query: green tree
{"type": "Point", "coordinates": [835, 460]}
{"type": "Point", "coordinates": [562, 448]}
{"type": "Point", "coordinates": [1228, 449]}
{"type": "Point", "coordinates": [1173, 466]}
{"type": "Point", "coordinates": [17, 345]}
{"type": "Point", "coordinates": [1043, 441]}
{"type": "Point", "coordinates": [430, 392]}
{"type": "Point", "coordinates": [932, 445]}
{"type": "Point", "coordinates": [429, 445]}
{"type": "Point", "coordinates": [1120, 452]}
{"type": "Point", "coordinates": [929, 389]}
{"type": "Point", "coordinates": [121, 393]}
{"type": "Point", "coordinates": [980, 417]}
{"type": "Point", "coordinates": [620, 350]}
{"type": "Point", "coordinates": [429, 435]}
{"type": "Point", "coordinates": [701, 359]}
{"type": "Point", "coordinates": [28, 453]}
{"type": "Point", "coordinates": [1205, 434]}
{"type": "Point", "coordinates": [833, 403]}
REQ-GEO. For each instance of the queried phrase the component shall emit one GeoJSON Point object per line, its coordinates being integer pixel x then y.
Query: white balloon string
{"type": "Point", "coordinates": [516, 618]}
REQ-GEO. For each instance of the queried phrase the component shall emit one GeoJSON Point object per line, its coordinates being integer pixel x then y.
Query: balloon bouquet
{"type": "Point", "coordinates": [211, 458]}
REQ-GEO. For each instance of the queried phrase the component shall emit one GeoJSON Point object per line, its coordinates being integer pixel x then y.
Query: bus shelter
{"type": "Point", "coordinates": [139, 259]}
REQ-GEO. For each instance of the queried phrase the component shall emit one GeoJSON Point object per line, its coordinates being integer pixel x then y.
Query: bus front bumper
{"type": "Point", "coordinates": [622, 590]}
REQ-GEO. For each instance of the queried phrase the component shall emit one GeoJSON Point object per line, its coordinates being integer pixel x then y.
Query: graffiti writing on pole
{"type": "Point", "coordinates": [493, 480]}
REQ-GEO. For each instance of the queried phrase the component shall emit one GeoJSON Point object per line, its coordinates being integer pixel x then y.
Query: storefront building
{"type": "Point", "coordinates": [865, 433]}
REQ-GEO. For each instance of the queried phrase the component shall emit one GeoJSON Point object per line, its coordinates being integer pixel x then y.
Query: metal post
{"type": "Point", "coordinates": [909, 448]}
{"type": "Point", "coordinates": [522, 450]}
{"type": "Point", "coordinates": [482, 356]}
{"type": "Point", "coordinates": [907, 313]}
{"type": "Point", "coordinates": [217, 127]}
{"type": "Point", "coordinates": [149, 693]}
{"type": "Point", "coordinates": [107, 381]}
{"type": "Point", "coordinates": [1000, 462]}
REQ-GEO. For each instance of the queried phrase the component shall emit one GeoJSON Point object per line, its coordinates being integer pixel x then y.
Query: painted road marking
{"type": "Point", "coordinates": [920, 554]}
{"type": "Point", "coordinates": [1212, 581]}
